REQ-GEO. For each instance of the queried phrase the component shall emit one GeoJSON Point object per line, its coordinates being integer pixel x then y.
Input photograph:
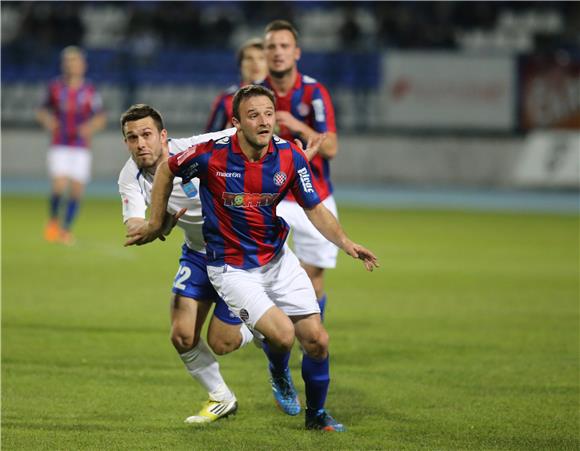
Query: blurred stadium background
{"type": "Point", "coordinates": [466, 338]}
{"type": "Point", "coordinates": [428, 94]}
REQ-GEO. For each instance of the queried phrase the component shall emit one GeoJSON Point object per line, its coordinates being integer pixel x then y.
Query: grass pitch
{"type": "Point", "coordinates": [466, 338]}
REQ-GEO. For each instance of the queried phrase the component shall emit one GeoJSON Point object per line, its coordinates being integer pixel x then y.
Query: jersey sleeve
{"type": "Point", "coordinates": [191, 162]}
{"type": "Point", "coordinates": [218, 118]}
{"type": "Point", "coordinates": [323, 110]}
{"type": "Point", "coordinates": [302, 186]}
{"type": "Point", "coordinates": [134, 204]}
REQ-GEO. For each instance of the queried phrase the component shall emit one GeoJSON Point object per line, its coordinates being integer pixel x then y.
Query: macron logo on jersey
{"type": "Point", "coordinates": [305, 180]}
{"type": "Point", "coordinates": [235, 175]}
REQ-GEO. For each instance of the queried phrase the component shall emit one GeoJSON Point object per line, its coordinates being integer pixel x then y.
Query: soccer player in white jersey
{"type": "Point", "coordinates": [146, 139]}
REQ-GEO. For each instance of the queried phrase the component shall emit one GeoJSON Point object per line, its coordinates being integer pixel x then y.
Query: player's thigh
{"type": "Point", "coordinates": [290, 287]}
{"type": "Point", "coordinates": [223, 334]}
{"type": "Point", "coordinates": [278, 329]}
{"type": "Point", "coordinates": [187, 318]}
{"type": "Point", "coordinates": [242, 290]}
{"type": "Point", "coordinates": [311, 334]}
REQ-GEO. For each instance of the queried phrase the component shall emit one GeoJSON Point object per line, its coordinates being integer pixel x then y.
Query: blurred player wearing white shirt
{"type": "Point", "coordinates": [193, 294]}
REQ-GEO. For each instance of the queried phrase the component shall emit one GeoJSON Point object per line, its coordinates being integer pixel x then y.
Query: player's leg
{"type": "Point", "coordinates": [56, 162]}
{"type": "Point", "coordinates": [295, 296]}
{"type": "Point", "coordinates": [245, 295]}
{"type": "Point", "coordinates": [226, 332]}
{"type": "Point", "coordinates": [316, 372]}
{"type": "Point", "coordinates": [187, 317]}
{"type": "Point", "coordinates": [78, 171]}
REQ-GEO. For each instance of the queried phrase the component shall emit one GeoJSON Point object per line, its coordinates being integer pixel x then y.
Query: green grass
{"type": "Point", "coordinates": [466, 338]}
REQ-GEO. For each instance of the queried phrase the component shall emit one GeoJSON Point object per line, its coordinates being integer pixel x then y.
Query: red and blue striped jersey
{"type": "Point", "coordinates": [72, 107]}
{"type": "Point", "coordinates": [221, 114]}
{"type": "Point", "coordinates": [309, 101]}
{"type": "Point", "coordinates": [239, 197]}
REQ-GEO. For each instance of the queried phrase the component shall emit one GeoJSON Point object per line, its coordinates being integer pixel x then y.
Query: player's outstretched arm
{"type": "Point", "coordinates": [328, 225]}
{"type": "Point", "coordinates": [154, 227]}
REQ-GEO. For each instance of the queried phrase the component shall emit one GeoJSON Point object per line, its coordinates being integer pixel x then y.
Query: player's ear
{"type": "Point", "coordinates": [236, 123]}
{"type": "Point", "coordinates": [297, 54]}
{"type": "Point", "coordinates": [163, 135]}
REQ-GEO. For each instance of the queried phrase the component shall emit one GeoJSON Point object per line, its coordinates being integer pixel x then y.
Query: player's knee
{"type": "Point", "coordinates": [283, 339]}
{"type": "Point", "coordinates": [183, 342]}
{"type": "Point", "coordinates": [223, 345]}
{"type": "Point", "coordinates": [316, 344]}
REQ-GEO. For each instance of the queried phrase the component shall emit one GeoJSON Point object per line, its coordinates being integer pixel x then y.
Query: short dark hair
{"type": "Point", "coordinates": [255, 43]}
{"type": "Point", "coordinates": [277, 25]}
{"type": "Point", "coordinates": [141, 111]}
{"type": "Point", "coordinates": [250, 91]}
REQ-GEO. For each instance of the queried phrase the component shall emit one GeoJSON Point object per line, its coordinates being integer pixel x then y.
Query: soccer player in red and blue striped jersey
{"type": "Point", "coordinates": [303, 110]}
{"type": "Point", "coordinates": [72, 112]}
{"type": "Point", "coordinates": [252, 64]}
{"type": "Point", "coordinates": [242, 179]}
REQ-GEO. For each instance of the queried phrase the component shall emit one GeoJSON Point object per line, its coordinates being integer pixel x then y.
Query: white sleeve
{"type": "Point", "coordinates": [132, 197]}
{"type": "Point", "coordinates": [177, 145]}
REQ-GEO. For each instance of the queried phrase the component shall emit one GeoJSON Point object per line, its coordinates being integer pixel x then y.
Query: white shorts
{"type": "Point", "coordinates": [249, 293]}
{"type": "Point", "coordinates": [71, 162]}
{"type": "Point", "coordinates": [309, 244]}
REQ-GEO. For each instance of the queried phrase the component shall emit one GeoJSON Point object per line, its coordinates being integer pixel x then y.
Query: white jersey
{"type": "Point", "coordinates": [135, 188]}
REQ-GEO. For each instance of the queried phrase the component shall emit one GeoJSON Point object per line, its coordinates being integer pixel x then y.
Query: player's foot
{"type": "Point", "coordinates": [321, 420]}
{"type": "Point", "coordinates": [284, 393]}
{"type": "Point", "coordinates": [67, 238]}
{"type": "Point", "coordinates": [213, 411]}
{"type": "Point", "coordinates": [52, 231]}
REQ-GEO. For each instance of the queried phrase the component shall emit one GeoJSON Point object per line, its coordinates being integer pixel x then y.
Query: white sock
{"type": "Point", "coordinates": [204, 368]}
{"type": "Point", "coordinates": [247, 335]}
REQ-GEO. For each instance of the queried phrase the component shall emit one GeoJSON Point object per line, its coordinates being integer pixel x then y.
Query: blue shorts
{"type": "Point", "coordinates": [192, 281]}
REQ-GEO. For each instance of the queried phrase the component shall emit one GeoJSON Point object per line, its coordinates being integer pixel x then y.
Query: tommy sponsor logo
{"type": "Point", "coordinates": [279, 178]}
{"type": "Point", "coordinates": [242, 200]}
{"type": "Point", "coordinates": [305, 180]}
{"type": "Point", "coordinates": [235, 175]}
{"type": "Point", "coordinates": [185, 154]}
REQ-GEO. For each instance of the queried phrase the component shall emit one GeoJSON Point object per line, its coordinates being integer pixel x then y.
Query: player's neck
{"type": "Point", "coordinates": [284, 84]}
{"type": "Point", "coordinates": [251, 152]}
{"type": "Point", "coordinates": [74, 81]}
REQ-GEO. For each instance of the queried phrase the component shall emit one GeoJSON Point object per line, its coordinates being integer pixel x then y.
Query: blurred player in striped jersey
{"type": "Point", "coordinates": [252, 65]}
{"type": "Point", "coordinates": [72, 112]}
{"type": "Point", "coordinates": [303, 110]}
{"type": "Point", "coordinates": [242, 179]}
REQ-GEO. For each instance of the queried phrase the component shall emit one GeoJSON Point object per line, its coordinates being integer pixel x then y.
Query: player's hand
{"type": "Point", "coordinates": [170, 222]}
{"type": "Point", "coordinates": [285, 119]}
{"type": "Point", "coordinates": [85, 131]}
{"type": "Point", "coordinates": [146, 233]}
{"type": "Point", "coordinates": [357, 251]}
{"type": "Point", "coordinates": [312, 146]}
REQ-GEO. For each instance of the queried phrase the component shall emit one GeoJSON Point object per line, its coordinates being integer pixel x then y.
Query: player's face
{"type": "Point", "coordinates": [145, 142]}
{"type": "Point", "coordinates": [253, 66]}
{"type": "Point", "coordinates": [73, 65]}
{"type": "Point", "coordinates": [257, 120]}
{"type": "Point", "coordinates": [281, 52]}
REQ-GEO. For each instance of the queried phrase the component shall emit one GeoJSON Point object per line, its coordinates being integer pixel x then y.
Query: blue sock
{"type": "Point", "coordinates": [316, 375]}
{"type": "Point", "coordinates": [71, 211]}
{"type": "Point", "coordinates": [278, 361]}
{"type": "Point", "coordinates": [54, 204]}
{"type": "Point", "coordinates": [322, 305]}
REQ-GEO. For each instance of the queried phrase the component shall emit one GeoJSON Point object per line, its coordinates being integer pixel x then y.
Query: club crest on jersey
{"type": "Point", "coordinates": [279, 178]}
{"type": "Point", "coordinates": [243, 200]}
{"type": "Point", "coordinates": [305, 180]}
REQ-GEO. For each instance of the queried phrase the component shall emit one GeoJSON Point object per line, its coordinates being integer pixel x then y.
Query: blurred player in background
{"type": "Point", "coordinates": [252, 65]}
{"type": "Point", "coordinates": [303, 110]}
{"type": "Point", "coordinates": [72, 112]}
{"type": "Point", "coordinates": [242, 179]}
